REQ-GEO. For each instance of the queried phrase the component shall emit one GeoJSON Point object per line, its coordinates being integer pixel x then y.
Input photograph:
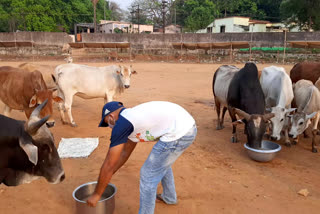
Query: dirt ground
{"type": "Point", "coordinates": [212, 176]}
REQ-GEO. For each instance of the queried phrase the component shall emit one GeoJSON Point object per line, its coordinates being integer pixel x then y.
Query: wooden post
{"type": "Point", "coordinates": [180, 46]}
{"type": "Point", "coordinates": [211, 47]}
{"type": "Point", "coordinates": [231, 52]}
{"type": "Point", "coordinates": [250, 46]}
{"type": "Point", "coordinates": [285, 45]}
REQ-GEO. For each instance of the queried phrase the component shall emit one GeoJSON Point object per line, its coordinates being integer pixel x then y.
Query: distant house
{"type": "Point", "coordinates": [173, 29]}
{"type": "Point", "coordinates": [241, 24]}
{"type": "Point", "coordinates": [106, 26]}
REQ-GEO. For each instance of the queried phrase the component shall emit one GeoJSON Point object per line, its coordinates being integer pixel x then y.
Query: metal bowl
{"type": "Point", "coordinates": [267, 152]}
{"type": "Point", "coordinates": [105, 205]}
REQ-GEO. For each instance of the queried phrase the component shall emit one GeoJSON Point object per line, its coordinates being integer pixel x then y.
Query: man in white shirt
{"type": "Point", "coordinates": [168, 123]}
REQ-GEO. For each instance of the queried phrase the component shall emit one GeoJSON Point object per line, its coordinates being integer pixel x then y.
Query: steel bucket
{"type": "Point", "coordinates": [105, 205]}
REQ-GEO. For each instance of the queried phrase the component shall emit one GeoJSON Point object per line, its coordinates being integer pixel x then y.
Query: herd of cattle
{"type": "Point", "coordinates": [27, 149]}
{"type": "Point", "coordinates": [265, 100]}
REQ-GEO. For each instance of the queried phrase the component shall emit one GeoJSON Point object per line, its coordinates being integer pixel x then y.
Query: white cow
{"type": "Point", "coordinates": [307, 99]}
{"type": "Point", "coordinates": [277, 88]}
{"type": "Point", "coordinates": [89, 82]}
{"type": "Point", "coordinates": [220, 86]}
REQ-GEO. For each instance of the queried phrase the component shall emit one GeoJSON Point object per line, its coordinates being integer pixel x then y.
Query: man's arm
{"type": "Point", "coordinates": [116, 157]}
{"type": "Point", "coordinates": [126, 152]}
{"type": "Point", "coordinates": [108, 167]}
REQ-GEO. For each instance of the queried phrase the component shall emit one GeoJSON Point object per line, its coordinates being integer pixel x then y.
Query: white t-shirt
{"type": "Point", "coordinates": [156, 119]}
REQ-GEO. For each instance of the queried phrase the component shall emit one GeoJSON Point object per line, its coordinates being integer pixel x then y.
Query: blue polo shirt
{"type": "Point", "coordinates": [121, 131]}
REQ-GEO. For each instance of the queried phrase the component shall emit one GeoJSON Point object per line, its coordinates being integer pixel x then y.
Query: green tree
{"type": "Point", "coordinates": [303, 13]}
{"type": "Point", "coordinates": [201, 12]}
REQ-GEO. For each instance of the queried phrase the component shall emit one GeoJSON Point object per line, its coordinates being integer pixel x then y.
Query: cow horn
{"type": "Point", "coordinates": [34, 126]}
{"type": "Point", "coordinates": [267, 117]}
{"type": "Point", "coordinates": [36, 111]}
{"type": "Point", "coordinates": [242, 114]}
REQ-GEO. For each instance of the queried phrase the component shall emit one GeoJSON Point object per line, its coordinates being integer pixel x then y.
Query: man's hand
{"type": "Point", "coordinates": [93, 200]}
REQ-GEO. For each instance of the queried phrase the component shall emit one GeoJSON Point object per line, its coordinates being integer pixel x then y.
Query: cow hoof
{"type": "Point", "coordinates": [294, 142]}
{"type": "Point", "coordinates": [219, 127]}
{"type": "Point", "coordinates": [74, 125]}
{"type": "Point", "coordinates": [234, 139]}
{"type": "Point", "coordinates": [288, 144]}
{"type": "Point", "coordinates": [306, 136]}
{"type": "Point", "coordinates": [314, 150]}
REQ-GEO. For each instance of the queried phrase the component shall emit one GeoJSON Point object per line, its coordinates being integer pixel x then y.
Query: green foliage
{"type": "Point", "coordinates": [305, 13]}
{"type": "Point", "coordinates": [47, 15]}
{"type": "Point", "coordinates": [198, 13]}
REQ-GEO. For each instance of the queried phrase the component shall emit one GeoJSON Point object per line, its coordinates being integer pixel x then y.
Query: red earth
{"type": "Point", "coordinates": [212, 176]}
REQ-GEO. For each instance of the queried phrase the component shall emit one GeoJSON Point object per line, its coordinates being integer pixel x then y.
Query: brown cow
{"type": "Point", "coordinates": [305, 70]}
{"type": "Point", "coordinates": [46, 71]}
{"type": "Point", "coordinates": [22, 90]}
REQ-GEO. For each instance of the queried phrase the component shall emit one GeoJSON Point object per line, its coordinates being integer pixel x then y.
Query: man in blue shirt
{"type": "Point", "coordinates": [169, 123]}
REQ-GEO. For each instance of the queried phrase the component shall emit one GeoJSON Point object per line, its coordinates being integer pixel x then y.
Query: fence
{"type": "Point", "coordinates": [183, 47]}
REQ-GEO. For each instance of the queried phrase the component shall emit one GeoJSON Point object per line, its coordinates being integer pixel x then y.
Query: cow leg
{"type": "Point", "coordinates": [109, 96]}
{"type": "Point", "coordinates": [223, 114]}
{"type": "Point", "coordinates": [67, 105]}
{"type": "Point", "coordinates": [305, 134]}
{"type": "Point", "coordinates": [287, 139]}
{"type": "Point", "coordinates": [234, 127]}
{"type": "Point", "coordinates": [217, 103]}
{"type": "Point", "coordinates": [314, 133]}
{"type": "Point", "coordinates": [7, 111]}
{"type": "Point", "coordinates": [61, 107]}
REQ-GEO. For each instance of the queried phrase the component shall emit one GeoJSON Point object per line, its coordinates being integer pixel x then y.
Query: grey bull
{"type": "Point", "coordinates": [220, 86]}
{"type": "Point", "coordinates": [277, 88]}
{"type": "Point", "coordinates": [307, 99]}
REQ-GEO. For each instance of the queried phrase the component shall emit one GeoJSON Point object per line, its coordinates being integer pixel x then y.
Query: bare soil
{"type": "Point", "coordinates": [212, 176]}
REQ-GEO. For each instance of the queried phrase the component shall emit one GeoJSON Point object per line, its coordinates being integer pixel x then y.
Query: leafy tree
{"type": "Point", "coordinates": [201, 13]}
{"type": "Point", "coordinates": [305, 13]}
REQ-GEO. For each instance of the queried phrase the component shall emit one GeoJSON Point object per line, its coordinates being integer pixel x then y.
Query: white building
{"type": "Point", "coordinates": [106, 26]}
{"type": "Point", "coordinates": [242, 24]}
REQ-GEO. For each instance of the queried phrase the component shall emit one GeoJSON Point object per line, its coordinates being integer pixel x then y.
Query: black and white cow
{"type": "Point", "coordinates": [246, 99]}
{"type": "Point", "coordinates": [27, 151]}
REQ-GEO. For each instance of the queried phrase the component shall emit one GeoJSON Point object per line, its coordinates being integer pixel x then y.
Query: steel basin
{"type": "Point", "coordinates": [105, 205]}
{"type": "Point", "coordinates": [267, 152]}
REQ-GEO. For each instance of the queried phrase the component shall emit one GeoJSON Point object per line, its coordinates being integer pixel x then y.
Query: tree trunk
{"type": "Point", "coordinates": [94, 17]}
{"type": "Point", "coordinates": [310, 24]}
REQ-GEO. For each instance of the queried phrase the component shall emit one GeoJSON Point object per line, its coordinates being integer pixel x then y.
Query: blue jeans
{"type": "Point", "coordinates": [158, 168]}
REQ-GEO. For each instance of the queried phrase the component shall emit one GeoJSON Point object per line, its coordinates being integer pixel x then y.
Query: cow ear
{"type": "Point", "coordinates": [30, 149]}
{"type": "Point", "coordinates": [33, 101]}
{"type": "Point", "coordinates": [120, 68]}
{"type": "Point", "coordinates": [290, 110]}
{"type": "Point", "coordinates": [57, 99]}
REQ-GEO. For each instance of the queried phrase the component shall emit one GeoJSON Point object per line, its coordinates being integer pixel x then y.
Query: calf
{"type": "Point", "coordinates": [22, 90]}
{"type": "Point", "coordinates": [245, 98]}
{"type": "Point", "coordinates": [277, 88]}
{"type": "Point", "coordinates": [307, 99]}
{"type": "Point", "coordinates": [89, 82]}
{"type": "Point", "coordinates": [27, 151]}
